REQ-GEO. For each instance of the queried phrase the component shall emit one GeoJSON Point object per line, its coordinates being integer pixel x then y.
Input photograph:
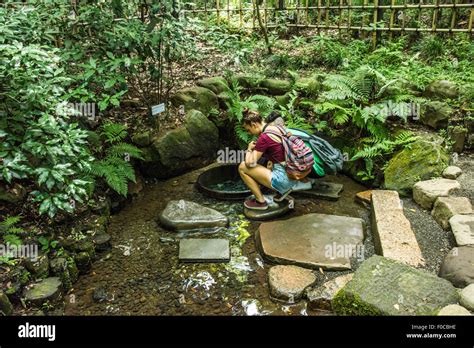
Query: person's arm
{"type": "Point", "coordinates": [252, 156]}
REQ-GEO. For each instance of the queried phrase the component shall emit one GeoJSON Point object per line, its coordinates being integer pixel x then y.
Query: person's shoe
{"type": "Point", "coordinates": [280, 197]}
{"type": "Point", "coordinates": [255, 205]}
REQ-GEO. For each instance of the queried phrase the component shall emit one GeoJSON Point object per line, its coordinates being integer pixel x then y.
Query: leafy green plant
{"type": "Point", "coordinates": [293, 117]}
{"type": "Point", "coordinates": [9, 230]}
{"type": "Point", "coordinates": [47, 245]}
{"type": "Point", "coordinates": [115, 167]}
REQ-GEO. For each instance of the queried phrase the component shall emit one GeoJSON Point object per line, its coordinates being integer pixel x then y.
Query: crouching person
{"type": "Point", "coordinates": [270, 144]}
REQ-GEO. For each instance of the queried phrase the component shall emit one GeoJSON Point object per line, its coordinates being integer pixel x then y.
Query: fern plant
{"type": "Point", "coordinates": [9, 230]}
{"type": "Point", "coordinates": [115, 167]}
{"type": "Point", "coordinates": [236, 106]}
{"type": "Point", "coordinates": [292, 116]}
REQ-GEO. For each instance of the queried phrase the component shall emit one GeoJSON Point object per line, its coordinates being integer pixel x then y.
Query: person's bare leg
{"type": "Point", "coordinates": [254, 176]}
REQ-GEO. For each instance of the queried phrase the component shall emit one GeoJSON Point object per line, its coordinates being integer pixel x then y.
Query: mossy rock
{"type": "Point", "coordinates": [14, 195]}
{"type": "Point", "coordinates": [283, 100]}
{"type": "Point", "coordinates": [309, 86]}
{"type": "Point", "coordinates": [83, 262]}
{"type": "Point", "coordinates": [435, 114]}
{"type": "Point", "coordinates": [217, 84]}
{"type": "Point", "coordinates": [249, 81]}
{"type": "Point", "coordinates": [442, 89]}
{"type": "Point", "coordinates": [276, 87]}
{"type": "Point", "coordinates": [422, 160]}
{"type": "Point", "coordinates": [142, 139]}
{"type": "Point", "coordinates": [198, 98]}
{"type": "Point", "coordinates": [38, 268]}
{"type": "Point", "coordinates": [6, 307]}
{"type": "Point", "coordinates": [60, 268]}
{"type": "Point", "coordinates": [48, 290]}
{"type": "Point", "coordinates": [190, 146]}
{"type": "Point", "coordinates": [382, 286]}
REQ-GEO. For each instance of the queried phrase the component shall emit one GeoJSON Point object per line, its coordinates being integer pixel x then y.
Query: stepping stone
{"type": "Point", "coordinates": [467, 297]}
{"type": "Point", "coordinates": [48, 289]}
{"type": "Point", "coordinates": [322, 190]}
{"type": "Point", "coordinates": [452, 172]}
{"type": "Point", "coordinates": [458, 266]}
{"type": "Point", "coordinates": [454, 309]}
{"type": "Point", "coordinates": [321, 297]}
{"type": "Point", "coordinates": [463, 229]}
{"type": "Point", "coordinates": [382, 286]}
{"type": "Point", "coordinates": [364, 198]}
{"type": "Point", "coordinates": [274, 210]}
{"type": "Point", "coordinates": [311, 240]}
{"type": "Point", "coordinates": [204, 250]}
{"type": "Point", "coordinates": [6, 307]}
{"type": "Point", "coordinates": [184, 215]}
{"type": "Point", "coordinates": [446, 207]}
{"type": "Point", "coordinates": [393, 235]}
{"type": "Point", "coordinates": [426, 192]}
{"type": "Point", "coordinates": [102, 241]}
{"type": "Point", "coordinates": [289, 282]}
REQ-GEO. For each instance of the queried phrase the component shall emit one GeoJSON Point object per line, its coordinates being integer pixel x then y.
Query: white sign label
{"type": "Point", "coordinates": [157, 109]}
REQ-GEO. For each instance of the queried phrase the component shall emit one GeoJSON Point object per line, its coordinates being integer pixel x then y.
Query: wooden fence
{"type": "Point", "coordinates": [374, 16]}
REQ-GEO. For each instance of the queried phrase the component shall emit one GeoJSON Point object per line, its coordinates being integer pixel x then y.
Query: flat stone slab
{"type": "Point", "coordinates": [204, 250]}
{"type": "Point", "coordinates": [289, 282]}
{"type": "Point", "coordinates": [458, 266]}
{"type": "Point", "coordinates": [321, 297]}
{"type": "Point", "coordinates": [184, 215]}
{"type": "Point", "coordinates": [47, 290]}
{"type": "Point", "coordinates": [382, 286]}
{"type": "Point", "coordinates": [446, 207]}
{"type": "Point", "coordinates": [364, 197]}
{"type": "Point", "coordinates": [426, 192]}
{"type": "Point", "coordinates": [452, 172]}
{"type": "Point", "coordinates": [311, 240]}
{"type": "Point", "coordinates": [454, 309]}
{"type": "Point", "coordinates": [463, 229]}
{"type": "Point", "coordinates": [274, 210]}
{"type": "Point", "coordinates": [393, 235]}
{"type": "Point", "coordinates": [322, 190]}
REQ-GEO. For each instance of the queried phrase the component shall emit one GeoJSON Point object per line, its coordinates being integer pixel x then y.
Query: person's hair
{"type": "Point", "coordinates": [251, 116]}
{"type": "Point", "coordinates": [272, 116]}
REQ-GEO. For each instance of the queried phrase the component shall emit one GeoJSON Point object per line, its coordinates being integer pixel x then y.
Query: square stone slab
{"type": "Point", "coordinates": [204, 250]}
{"type": "Point", "coordinates": [322, 190]}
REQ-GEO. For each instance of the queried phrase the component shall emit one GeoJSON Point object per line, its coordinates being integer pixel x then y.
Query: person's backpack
{"type": "Point", "coordinates": [298, 156]}
{"type": "Point", "coordinates": [331, 157]}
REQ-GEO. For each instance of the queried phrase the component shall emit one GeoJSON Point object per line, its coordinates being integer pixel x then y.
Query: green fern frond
{"type": "Point", "coordinates": [124, 149]}
{"type": "Point", "coordinates": [113, 132]}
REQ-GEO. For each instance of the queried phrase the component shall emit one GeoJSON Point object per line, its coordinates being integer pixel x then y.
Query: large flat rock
{"type": "Point", "coordinates": [185, 215]}
{"type": "Point", "coordinates": [322, 190]}
{"type": "Point", "coordinates": [458, 266]}
{"type": "Point", "coordinates": [274, 210]}
{"type": "Point", "coordinates": [48, 289]}
{"type": "Point", "coordinates": [289, 282]}
{"type": "Point", "coordinates": [204, 250]}
{"type": "Point", "coordinates": [446, 207]}
{"type": "Point", "coordinates": [463, 229]}
{"type": "Point", "coordinates": [393, 235]}
{"type": "Point", "coordinates": [382, 286]}
{"type": "Point", "coordinates": [311, 240]}
{"type": "Point", "coordinates": [426, 192]}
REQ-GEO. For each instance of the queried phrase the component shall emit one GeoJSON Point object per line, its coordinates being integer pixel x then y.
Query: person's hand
{"type": "Point", "coordinates": [251, 146]}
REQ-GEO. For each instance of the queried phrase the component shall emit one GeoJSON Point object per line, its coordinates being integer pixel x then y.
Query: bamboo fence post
{"type": "Point", "coordinates": [206, 14]}
{"type": "Point", "coordinates": [240, 14]}
{"type": "Point", "coordinates": [392, 18]}
{"type": "Point", "coordinates": [228, 13]}
{"type": "Point", "coordinates": [349, 19]}
{"type": "Point", "coordinates": [471, 19]}
{"type": "Point", "coordinates": [420, 11]}
{"type": "Point", "coordinates": [453, 15]}
{"type": "Point", "coordinates": [253, 15]}
{"type": "Point", "coordinates": [340, 19]}
{"type": "Point", "coordinates": [327, 14]}
{"type": "Point", "coordinates": [435, 16]}
{"type": "Point", "coordinates": [404, 16]}
{"type": "Point", "coordinates": [319, 15]}
{"type": "Point", "coordinates": [364, 16]}
{"type": "Point", "coordinates": [307, 13]}
{"type": "Point", "coordinates": [374, 34]}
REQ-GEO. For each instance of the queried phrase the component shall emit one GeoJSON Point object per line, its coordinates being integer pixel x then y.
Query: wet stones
{"type": "Point", "coordinates": [442, 89]}
{"type": "Point", "coordinates": [452, 172]}
{"type": "Point", "coordinates": [6, 307]}
{"type": "Point", "coordinates": [322, 297]}
{"type": "Point", "coordinates": [102, 241]}
{"type": "Point", "coordinates": [322, 190]}
{"type": "Point", "coordinates": [274, 210]}
{"type": "Point", "coordinates": [185, 215]}
{"type": "Point", "coordinates": [99, 295]}
{"type": "Point", "coordinates": [289, 282]}
{"type": "Point", "coordinates": [393, 235]}
{"type": "Point", "coordinates": [458, 266]}
{"type": "Point", "coordinates": [467, 297]}
{"type": "Point", "coordinates": [204, 250]}
{"type": "Point", "coordinates": [49, 289]}
{"type": "Point", "coordinates": [38, 268]}
{"type": "Point", "coordinates": [382, 286]}
{"type": "Point", "coordinates": [426, 192]}
{"type": "Point", "coordinates": [311, 240]}
{"type": "Point", "coordinates": [446, 207]}
{"type": "Point", "coordinates": [364, 198]}
{"type": "Point", "coordinates": [463, 229]}
{"type": "Point", "coordinates": [453, 309]}
{"type": "Point", "coordinates": [83, 262]}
